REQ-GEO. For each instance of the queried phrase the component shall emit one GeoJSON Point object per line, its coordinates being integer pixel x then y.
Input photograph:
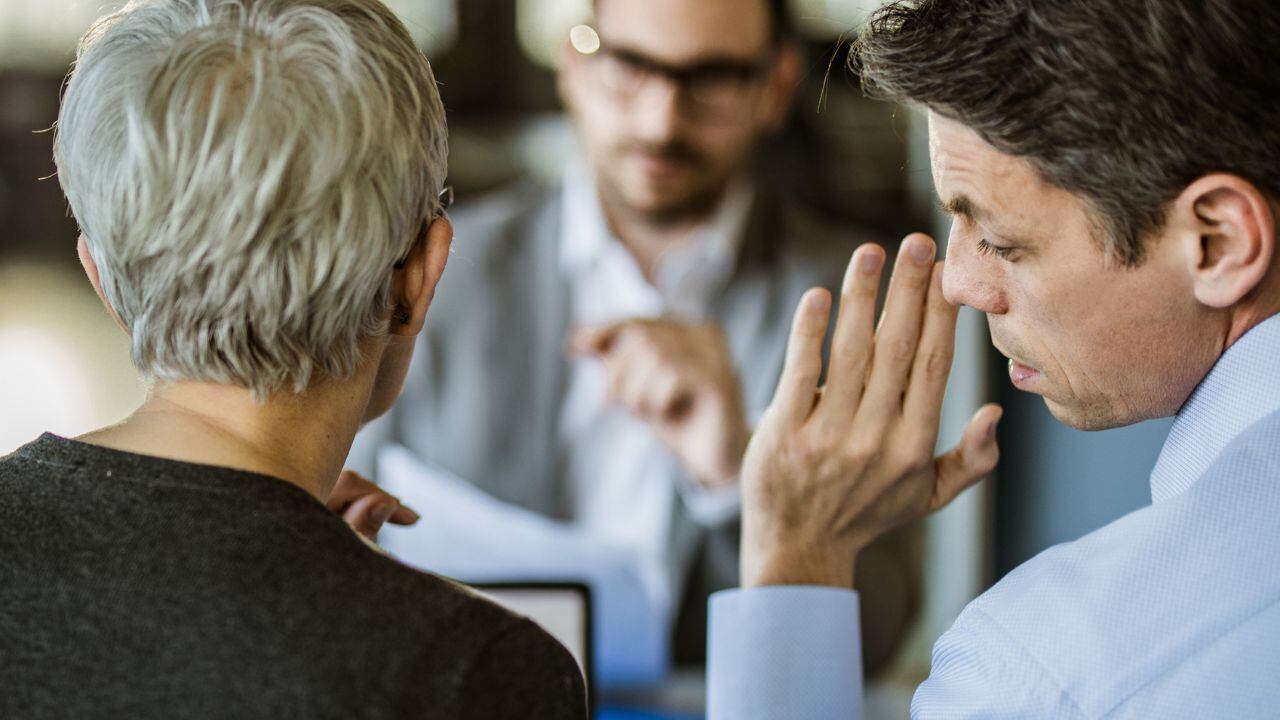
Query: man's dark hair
{"type": "Point", "coordinates": [779, 13]}
{"type": "Point", "coordinates": [1124, 102]}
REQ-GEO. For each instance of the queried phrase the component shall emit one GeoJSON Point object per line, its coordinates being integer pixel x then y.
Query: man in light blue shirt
{"type": "Point", "coordinates": [1113, 170]}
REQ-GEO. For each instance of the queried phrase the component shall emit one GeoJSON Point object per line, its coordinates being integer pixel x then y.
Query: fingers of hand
{"type": "Point", "coordinates": [627, 365]}
{"type": "Point", "coordinates": [596, 340]}
{"type": "Point", "coordinates": [922, 406]}
{"type": "Point", "coordinates": [350, 486]}
{"type": "Point", "coordinates": [899, 333]}
{"type": "Point", "coordinates": [365, 506]}
{"type": "Point", "coordinates": [636, 386]}
{"type": "Point", "coordinates": [368, 514]}
{"type": "Point", "coordinates": [851, 342]}
{"type": "Point", "coordinates": [403, 515]}
{"type": "Point", "coordinates": [670, 396]}
{"type": "Point", "coordinates": [970, 461]}
{"type": "Point", "coordinates": [802, 368]}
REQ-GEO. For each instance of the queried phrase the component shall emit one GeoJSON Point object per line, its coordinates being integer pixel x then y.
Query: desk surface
{"type": "Point", "coordinates": [626, 714]}
{"type": "Point", "coordinates": [683, 697]}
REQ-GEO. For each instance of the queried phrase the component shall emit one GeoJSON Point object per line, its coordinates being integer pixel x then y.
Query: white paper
{"type": "Point", "coordinates": [467, 534]}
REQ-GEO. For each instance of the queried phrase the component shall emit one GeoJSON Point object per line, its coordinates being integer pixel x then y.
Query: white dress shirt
{"type": "Point", "coordinates": [1170, 612]}
{"type": "Point", "coordinates": [620, 474]}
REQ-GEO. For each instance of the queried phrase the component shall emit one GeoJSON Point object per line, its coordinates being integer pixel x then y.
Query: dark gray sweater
{"type": "Point", "coordinates": [133, 587]}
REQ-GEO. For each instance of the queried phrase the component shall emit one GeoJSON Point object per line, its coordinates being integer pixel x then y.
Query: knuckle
{"type": "Point", "coordinates": [912, 455]}
{"type": "Point", "coordinates": [867, 449]}
{"type": "Point", "coordinates": [806, 372]}
{"type": "Point", "coordinates": [850, 354]}
{"type": "Point", "coordinates": [900, 350]}
{"type": "Point", "coordinates": [912, 463]}
{"type": "Point", "coordinates": [831, 467]}
{"type": "Point", "coordinates": [937, 365]}
{"type": "Point", "coordinates": [919, 277]}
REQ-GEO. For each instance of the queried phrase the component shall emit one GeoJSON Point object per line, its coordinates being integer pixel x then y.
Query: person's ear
{"type": "Point", "coordinates": [91, 270]}
{"type": "Point", "coordinates": [1232, 225]}
{"type": "Point", "coordinates": [415, 282]}
{"type": "Point", "coordinates": [783, 81]}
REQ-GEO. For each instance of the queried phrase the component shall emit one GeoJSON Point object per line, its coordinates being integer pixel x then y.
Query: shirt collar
{"type": "Point", "coordinates": [585, 235]}
{"type": "Point", "coordinates": [1242, 388]}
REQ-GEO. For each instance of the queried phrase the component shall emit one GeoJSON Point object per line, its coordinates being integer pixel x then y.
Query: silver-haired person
{"type": "Point", "coordinates": [257, 184]}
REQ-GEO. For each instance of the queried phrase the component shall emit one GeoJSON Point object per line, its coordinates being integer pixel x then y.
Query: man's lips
{"type": "Point", "coordinates": [1022, 375]}
{"type": "Point", "coordinates": [660, 164]}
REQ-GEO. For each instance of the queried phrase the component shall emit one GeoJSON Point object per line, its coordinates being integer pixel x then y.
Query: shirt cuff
{"type": "Point", "coordinates": [784, 652]}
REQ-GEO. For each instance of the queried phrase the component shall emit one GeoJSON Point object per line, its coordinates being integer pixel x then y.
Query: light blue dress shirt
{"type": "Point", "coordinates": [1172, 611]}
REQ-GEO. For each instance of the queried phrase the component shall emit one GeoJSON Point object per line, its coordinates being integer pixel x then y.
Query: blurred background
{"type": "Point", "coordinates": [64, 366]}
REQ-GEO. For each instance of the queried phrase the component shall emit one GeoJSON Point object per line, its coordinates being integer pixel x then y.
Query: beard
{"type": "Point", "coordinates": [693, 196]}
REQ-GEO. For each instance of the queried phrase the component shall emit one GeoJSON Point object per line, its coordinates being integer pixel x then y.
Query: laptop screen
{"type": "Point", "coordinates": [562, 609]}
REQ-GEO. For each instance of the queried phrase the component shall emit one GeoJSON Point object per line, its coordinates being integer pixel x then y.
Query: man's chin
{"type": "Point", "coordinates": [1087, 418]}
{"type": "Point", "coordinates": [669, 204]}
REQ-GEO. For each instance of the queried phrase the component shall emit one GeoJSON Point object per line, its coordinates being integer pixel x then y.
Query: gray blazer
{"type": "Point", "coordinates": [483, 398]}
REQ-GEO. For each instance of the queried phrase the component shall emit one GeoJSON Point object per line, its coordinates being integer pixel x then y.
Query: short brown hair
{"type": "Point", "coordinates": [1124, 102]}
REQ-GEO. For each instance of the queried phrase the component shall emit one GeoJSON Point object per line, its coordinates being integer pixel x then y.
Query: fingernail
{"type": "Point", "coordinates": [382, 513]}
{"type": "Point", "coordinates": [819, 300]}
{"type": "Point", "coordinates": [870, 262]}
{"type": "Point", "coordinates": [413, 516]}
{"type": "Point", "coordinates": [920, 250]}
{"type": "Point", "coordinates": [991, 429]}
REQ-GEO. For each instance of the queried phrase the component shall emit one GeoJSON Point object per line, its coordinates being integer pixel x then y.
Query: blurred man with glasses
{"type": "Point", "coordinates": [632, 322]}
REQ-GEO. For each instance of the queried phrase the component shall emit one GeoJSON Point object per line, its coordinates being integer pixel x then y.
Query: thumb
{"type": "Point", "coordinates": [970, 461]}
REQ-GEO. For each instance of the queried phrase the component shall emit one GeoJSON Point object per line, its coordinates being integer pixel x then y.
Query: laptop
{"type": "Point", "coordinates": [563, 609]}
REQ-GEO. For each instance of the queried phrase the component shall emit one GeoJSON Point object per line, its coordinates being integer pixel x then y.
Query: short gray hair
{"type": "Point", "coordinates": [247, 173]}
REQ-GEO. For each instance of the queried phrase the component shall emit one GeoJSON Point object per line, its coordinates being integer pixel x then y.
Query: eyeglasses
{"type": "Point", "coordinates": [444, 201]}
{"type": "Point", "coordinates": [714, 90]}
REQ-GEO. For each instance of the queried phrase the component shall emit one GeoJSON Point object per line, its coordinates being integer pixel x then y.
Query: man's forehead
{"type": "Point", "coordinates": [1005, 194]}
{"type": "Point", "coordinates": [679, 31]}
{"type": "Point", "coordinates": [960, 158]}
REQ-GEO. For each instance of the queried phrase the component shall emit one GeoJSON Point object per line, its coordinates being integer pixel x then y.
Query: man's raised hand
{"type": "Point", "coordinates": [831, 468]}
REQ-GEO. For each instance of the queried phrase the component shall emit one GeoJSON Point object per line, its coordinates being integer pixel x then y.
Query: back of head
{"type": "Point", "coordinates": [1124, 103]}
{"type": "Point", "coordinates": [246, 174]}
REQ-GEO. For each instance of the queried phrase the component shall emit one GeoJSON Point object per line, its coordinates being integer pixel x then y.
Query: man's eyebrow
{"type": "Point", "coordinates": [962, 206]}
{"type": "Point", "coordinates": [713, 61]}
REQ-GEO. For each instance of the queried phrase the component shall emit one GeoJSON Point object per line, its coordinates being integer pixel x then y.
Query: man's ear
{"type": "Point", "coordinates": [783, 81]}
{"type": "Point", "coordinates": [1233, 225]}
{"type": "Point", "coordinates": [91, 270]}
{"type": "Point", "coordinates": [415, 283]}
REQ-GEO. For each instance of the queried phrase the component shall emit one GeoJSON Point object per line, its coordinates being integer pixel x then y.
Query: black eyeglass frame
{"type": "Point", "coordinates": [684, 77]}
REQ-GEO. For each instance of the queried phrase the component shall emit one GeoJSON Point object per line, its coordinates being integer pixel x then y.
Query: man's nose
{"type": "Point", "coordinates": [968, 279]}
{"type": "Point", "coordinates": [658, 112]}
